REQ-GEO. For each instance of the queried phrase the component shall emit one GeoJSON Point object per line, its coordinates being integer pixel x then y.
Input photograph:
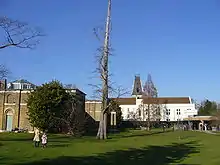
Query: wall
{"type": "Point", "coordinates": [185, 110]}
{"type": "Point", "coordinates": [9, 101]}
{"type": "Point", "coordinates": [93, 108]}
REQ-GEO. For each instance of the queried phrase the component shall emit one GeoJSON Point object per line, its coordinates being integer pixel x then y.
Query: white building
{"type": "Point", "coordinates": [161, 108]}
{"type": "Point", "coordinates": [20, 84]}
{"type": "Point", "coordinates": [169, 108]}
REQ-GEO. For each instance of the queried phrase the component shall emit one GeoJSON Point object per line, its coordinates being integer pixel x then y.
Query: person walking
{"type": "Point", "coordinates": [36, 137]}
{"type": "Point", "coordinates": [44, 140]}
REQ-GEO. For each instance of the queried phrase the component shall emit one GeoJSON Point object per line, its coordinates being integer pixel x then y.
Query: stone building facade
{"type": "Point", "coordinates": [93, 108]}
{"type": "Point", "coordinates": [13, 108]}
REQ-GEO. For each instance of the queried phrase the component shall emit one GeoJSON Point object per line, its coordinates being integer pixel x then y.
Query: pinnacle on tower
{"type": "Point", "coordinates": [137, 88]}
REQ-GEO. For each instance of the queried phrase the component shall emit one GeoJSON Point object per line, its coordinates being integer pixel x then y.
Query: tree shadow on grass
{"type": "Point", "coordinates": [140, 135]}
{"type": "Point", "coordinates": [153, 155]}
{"type": "Point", "coordinates": [57, 145]}
{"type": "Point", "coordinates": [19, 139]}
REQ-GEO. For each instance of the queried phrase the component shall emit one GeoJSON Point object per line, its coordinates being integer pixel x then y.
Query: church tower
{"type": "Point", "coordinates": [137, 88]}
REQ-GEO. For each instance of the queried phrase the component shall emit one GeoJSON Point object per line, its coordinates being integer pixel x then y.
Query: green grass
{"type": "Point", "coordinates": [134, 147]}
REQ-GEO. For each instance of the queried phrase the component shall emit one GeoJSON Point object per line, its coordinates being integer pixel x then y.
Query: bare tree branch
{"type": "Point", "coordinates": [3, 72]}
{"type": "Point", "coordinates": [73, 118]}
{"type": "Point", "coordinates": [19, 34]}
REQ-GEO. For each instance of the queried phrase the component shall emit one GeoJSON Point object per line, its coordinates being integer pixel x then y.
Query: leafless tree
{"type": "Point", "coordinates": [150, 104]}
{"type": "Point", "coordinates": [3, 72]}
{"type": "Point", "coordinates": [73, 118]}
{"type": "Point", "coordinates": [105, 88]}
{"type": "Point", "coordinates": [103, 71]}
{"type": "Point", "coordinates": [18, 34]}
{"type": "Point", "coordinates": [135, 117]}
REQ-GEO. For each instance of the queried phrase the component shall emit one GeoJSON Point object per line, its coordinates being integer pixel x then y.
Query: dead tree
{"type": "Point", "coordinates": [103, 90]}
{"type": "Point", "coordinates": [3, 72]}
{"type": "Point", "coordinates": [150, 95]}
{"type": "Point", "coordinates": [73, 119]}
{"type": "Point", "coordinates": [102, 132]}
{"type": "Point", "coordinates": [18, 34]}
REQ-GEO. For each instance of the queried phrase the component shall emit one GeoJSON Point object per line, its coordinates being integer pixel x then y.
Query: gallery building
{"type": "Point", "coordinates": [13, 104]}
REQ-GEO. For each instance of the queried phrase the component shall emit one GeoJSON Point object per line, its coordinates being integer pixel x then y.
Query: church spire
{"type": "Point", "coordinates": [137, 88]}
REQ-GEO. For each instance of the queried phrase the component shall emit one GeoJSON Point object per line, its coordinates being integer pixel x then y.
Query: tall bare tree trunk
{"type": "Point", "coordinates": [104, 76]}
{"type": "Point", "coordinates": [148, 117]}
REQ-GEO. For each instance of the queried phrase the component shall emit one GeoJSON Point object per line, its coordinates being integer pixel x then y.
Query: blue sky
{"type": "Point", "coordinates": [176, 41]}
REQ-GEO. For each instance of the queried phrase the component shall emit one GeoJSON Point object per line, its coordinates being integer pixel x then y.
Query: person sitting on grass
{"type": "Point", "coordinates": [44, 140]}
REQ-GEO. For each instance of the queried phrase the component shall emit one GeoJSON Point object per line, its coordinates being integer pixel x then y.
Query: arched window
{"type": "Point", "coordinates": [10, 99]}
{"type": "Point", "coordinates": [9, 112]}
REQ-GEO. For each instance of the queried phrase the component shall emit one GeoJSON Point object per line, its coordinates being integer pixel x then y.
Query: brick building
{"type": "Point", "coordinates": [13, 110]}
{"type": "Point", "coordinates": [13, 107]}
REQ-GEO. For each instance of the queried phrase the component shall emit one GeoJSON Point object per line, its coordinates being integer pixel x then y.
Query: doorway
{"type": "Point", "coordinates": [9, 120]}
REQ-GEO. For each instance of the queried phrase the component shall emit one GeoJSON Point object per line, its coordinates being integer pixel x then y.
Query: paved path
{"type": "Point", "coordinates": [208, 132]}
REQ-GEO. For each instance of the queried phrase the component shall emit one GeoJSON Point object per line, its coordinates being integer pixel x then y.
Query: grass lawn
{"type": "Point", "coordinates": [134, 147]}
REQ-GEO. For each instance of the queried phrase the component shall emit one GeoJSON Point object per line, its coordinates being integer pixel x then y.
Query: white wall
{"type": "Point", "coordinates": [185, 111]}
{"type": "Point", "coordinates": [127, 110]}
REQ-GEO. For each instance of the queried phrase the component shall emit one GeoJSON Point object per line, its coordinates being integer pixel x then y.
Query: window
{"type": "Point", "coordinates": [167, 111]}
{"type": "Point", "coordinates": [16, 86]}
{"type": "Point", "coordinates": [10, 99]}
{"type": "Point", "coordinates": [188, 109]}
{"type": "Point", "coordinates": [139, 112]}
{"type": "Point", "coordinates": [168, 119]}
{"type": "Point", "coordinates": [24, 86]}
{"type": "Point", "coordinates": [178, 111]}
{"type": "Point", "coordinates": [158, 111]}
{"type": "Point", "coordinates": [128, 113]}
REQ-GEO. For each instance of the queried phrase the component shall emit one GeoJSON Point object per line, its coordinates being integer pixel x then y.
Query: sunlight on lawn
{"type": "Point", "coordinates": [133, 147]}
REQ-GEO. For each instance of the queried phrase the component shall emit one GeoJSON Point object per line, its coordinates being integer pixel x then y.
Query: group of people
{"type": "Point", "coordinates": [37, 139]}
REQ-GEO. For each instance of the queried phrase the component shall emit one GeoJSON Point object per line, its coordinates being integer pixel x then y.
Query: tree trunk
{"type": "Point", "coordinates": [148, 117]}
{"type": "Point", "coordinates": [104, 75]}
{"type": "Point", "coordinates": [105, 126]}
{"type": "Point", "coordinates": [100, 130]}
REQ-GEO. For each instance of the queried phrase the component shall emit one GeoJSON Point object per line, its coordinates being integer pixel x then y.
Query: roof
{"type": "Point", "coordinates": [88, 100]}
{"type": "Point", "coordinates": [159, 100]}
{"type": "Point", "coordinates": [125, 101]}
{"type": "Point", "coordinates": [21, 81]}
{"type": "Point", "coordinates": [167, 100]}
{"type": "Point", "coordinates": [76, 90]}
{"type": "Point", "coordinates": [120, 101]}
